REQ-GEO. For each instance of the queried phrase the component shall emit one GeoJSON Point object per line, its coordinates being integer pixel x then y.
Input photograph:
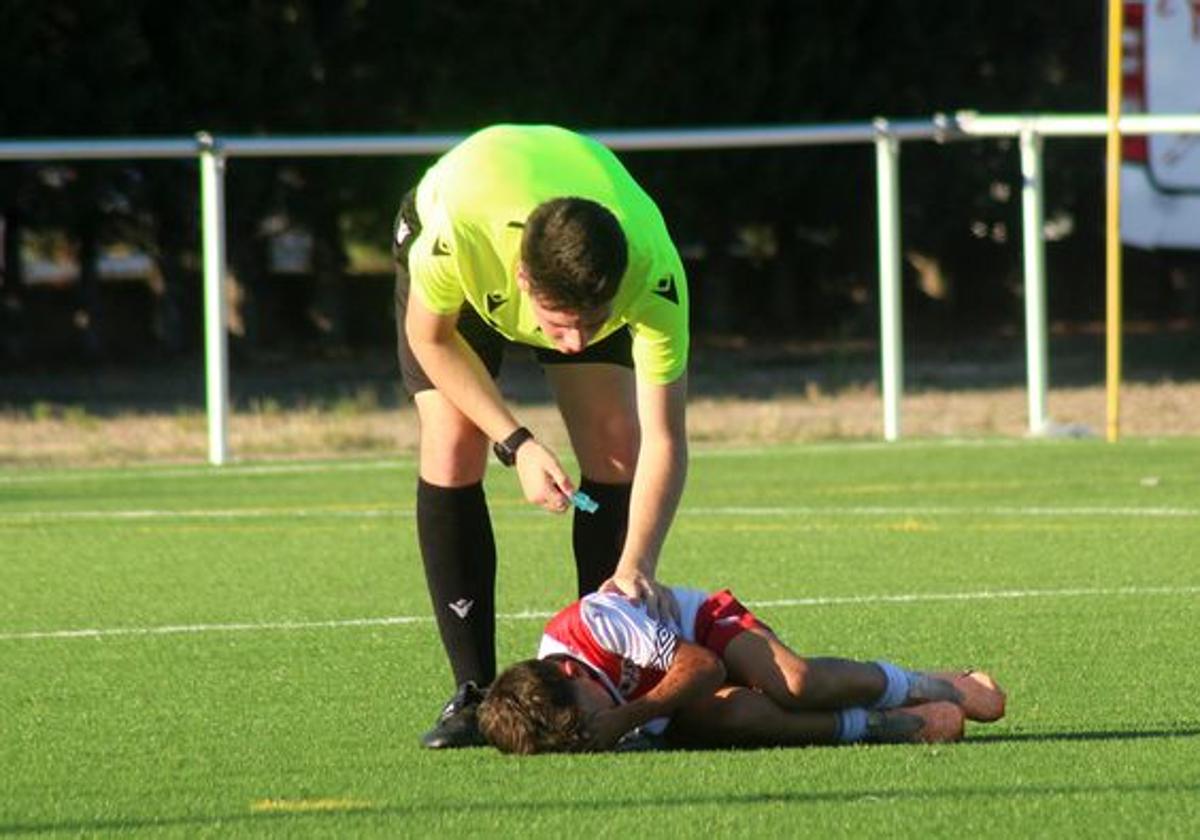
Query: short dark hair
{"type": "Point", "coordinates": [531, 708]}
{"type": "Point", "coordinates": [574, 252]}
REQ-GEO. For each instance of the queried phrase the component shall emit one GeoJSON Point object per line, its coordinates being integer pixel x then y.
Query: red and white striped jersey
{"type": "Point", "coordinates": [619, 641]}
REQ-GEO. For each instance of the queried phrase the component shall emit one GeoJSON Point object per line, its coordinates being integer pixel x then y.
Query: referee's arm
{"type": "Point", "coordinates": [659, 478]}
{"type": "Point", "coordinates": [455, 370]}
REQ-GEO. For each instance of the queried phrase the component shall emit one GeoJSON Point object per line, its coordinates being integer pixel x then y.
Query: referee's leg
{"type": "Point", "coordinates": [454, 526]}
{"type": "Point", "coordinates": [598, 402]}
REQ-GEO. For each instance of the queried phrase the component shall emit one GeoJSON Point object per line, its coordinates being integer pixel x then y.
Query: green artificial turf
{"type": "Point", "coordinates": [247, 651]}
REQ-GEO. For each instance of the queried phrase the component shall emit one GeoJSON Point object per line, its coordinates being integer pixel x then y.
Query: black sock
{"type": "Point", "coordinates": [455, 532]}
{"type": "Point", "coordinates": [599, 537]}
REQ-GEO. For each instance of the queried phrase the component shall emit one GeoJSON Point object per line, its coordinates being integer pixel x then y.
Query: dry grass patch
{"type": "Point", "coordinates": [67, 437]}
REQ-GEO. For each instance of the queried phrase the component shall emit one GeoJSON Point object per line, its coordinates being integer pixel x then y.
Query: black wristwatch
{"type": "Point", "coordinates": [506, 450]}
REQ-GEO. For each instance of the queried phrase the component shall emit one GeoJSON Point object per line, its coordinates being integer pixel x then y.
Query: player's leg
{"type": "Point", "coordinates": [737, 716]}
{"type": "Point", "coordinates": [755, 657]}
{"type": "Point", "coordinates": [759, 659]}
{"type": "Point", "coordinates": [597, 398]}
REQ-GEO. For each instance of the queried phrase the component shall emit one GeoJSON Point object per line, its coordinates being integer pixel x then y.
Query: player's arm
{"type": "Point", "coordinates": [460, 376]}
{"type": "Point", "coordinates": [657, 487]}
{"type": "Point", "coordinates": [695, 673]}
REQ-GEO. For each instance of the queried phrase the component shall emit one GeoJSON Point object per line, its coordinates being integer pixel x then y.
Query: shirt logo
{"type": "Point", "coordinates": [461, 607]}
{"type": "Point", "coordinates": [440, 248]}
{"type": "Point", "coordinates": [665, 288]}
{"type": "Point", "coordinates": [495, 300]}
{"type": "Point", "coordinates": [664, 648]}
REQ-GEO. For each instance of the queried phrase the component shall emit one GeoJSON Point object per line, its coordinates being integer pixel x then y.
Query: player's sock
{"type": "Point", "coordinates": [599, 537]}
{"type": "Point", "coordinates": [459, 552]}
{"type": "Point", "coordinates": [852, 725]}
{"type": "Point", "coordinates": [898, 683]}
{"type": "Point", "coordinates": [906, 688]}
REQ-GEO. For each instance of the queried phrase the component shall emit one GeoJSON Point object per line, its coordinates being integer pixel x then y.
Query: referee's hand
{"type": "Point", "coordinates": [543, 480]}
{"type": "Point", "coordinates": [659, 600]}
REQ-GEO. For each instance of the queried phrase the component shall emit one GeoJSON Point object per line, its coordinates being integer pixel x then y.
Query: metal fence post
{"type": "Point", "coordinates": [887, 165]}
{"type": "Point", "coordinates": [1032, 220]}
{"type": "Point", "coordinates": [216, 360]}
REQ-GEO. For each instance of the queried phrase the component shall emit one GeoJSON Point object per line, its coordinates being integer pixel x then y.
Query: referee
{"type": "Point", "coordinates": [538, 235]}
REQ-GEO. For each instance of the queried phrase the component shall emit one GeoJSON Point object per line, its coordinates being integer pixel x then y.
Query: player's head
{"type": "Point", "coordinates": [573, 254]}
{"type": "Point", "coordinates": [541, 705]}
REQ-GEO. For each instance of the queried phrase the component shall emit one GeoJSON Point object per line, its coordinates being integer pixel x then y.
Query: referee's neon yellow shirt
{"type": "Point", "coordinates": [473, 204]}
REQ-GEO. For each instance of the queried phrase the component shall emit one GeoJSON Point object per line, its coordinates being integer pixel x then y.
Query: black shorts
{"type": "Point", "coordinates": [488, 344]}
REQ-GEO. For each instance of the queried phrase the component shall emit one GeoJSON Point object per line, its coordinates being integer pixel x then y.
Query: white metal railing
{"type": "Point", "coordinates": [212, 152]}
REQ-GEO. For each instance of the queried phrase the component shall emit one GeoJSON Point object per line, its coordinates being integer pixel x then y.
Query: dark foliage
{"type": "Point", "coordinates": [796, 225]}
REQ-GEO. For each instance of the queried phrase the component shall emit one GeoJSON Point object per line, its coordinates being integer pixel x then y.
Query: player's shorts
{"type": "Point", "coordinates": [721, 618]}
{"type": "Point", "coordinates": [488, 344]}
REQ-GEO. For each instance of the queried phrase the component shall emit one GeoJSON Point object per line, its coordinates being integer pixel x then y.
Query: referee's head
{"type": "Point", "coordinates": [574, 254]}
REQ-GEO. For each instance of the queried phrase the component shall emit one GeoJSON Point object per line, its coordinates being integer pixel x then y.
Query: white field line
{"type": "Point", "coordinates": [202, 471]}
{"type": "Point", "coordinates": [307, 467]}
{"type": "Point", "coordinates": [33, 516]}
{"type": "Point", "coordinates": [541, 615]}
{"type": "Point", "coordinates": [229, 514]}
{"type": "Point", "coordinates": [944, 510]}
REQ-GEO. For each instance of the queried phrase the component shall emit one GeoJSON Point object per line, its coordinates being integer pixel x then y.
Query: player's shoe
{"type": "Point", "coordinates": [457, 725]}
{"type": "Point", "coordinates": [927, 723]}
{"type": "Point", "coordinates": [639, 740]}
{"type": "Point", "coordinates": [979, 696]}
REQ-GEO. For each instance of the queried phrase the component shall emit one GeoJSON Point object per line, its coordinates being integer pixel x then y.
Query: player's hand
{"type": "Point", "coordinates": [605, 729]}
{"type": "Point", "coordinates": [543, 480]}
{"type": "Point", "coordinates": [659, 600]}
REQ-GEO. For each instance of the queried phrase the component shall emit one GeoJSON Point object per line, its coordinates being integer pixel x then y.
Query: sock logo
{"type": "Point", "coordinates": [461, 607]}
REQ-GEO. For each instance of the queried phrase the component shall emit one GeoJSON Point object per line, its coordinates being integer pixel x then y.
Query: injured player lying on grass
{"type": "Point", "coordinates": [720, 677]}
